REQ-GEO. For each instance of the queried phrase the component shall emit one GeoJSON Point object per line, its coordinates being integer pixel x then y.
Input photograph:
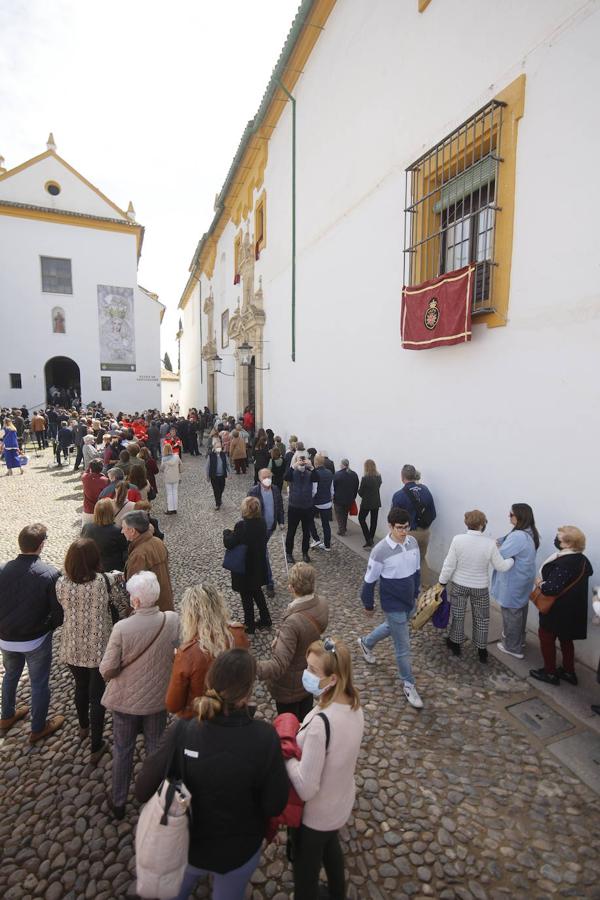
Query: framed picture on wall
{"type": "Point", "coordinates": [225, 329]}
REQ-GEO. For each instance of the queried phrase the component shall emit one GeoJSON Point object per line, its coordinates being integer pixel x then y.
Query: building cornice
{"type": "Point", "coordinates": [66, 217]}
{"type": "Point", "coordinates": [246, 172]}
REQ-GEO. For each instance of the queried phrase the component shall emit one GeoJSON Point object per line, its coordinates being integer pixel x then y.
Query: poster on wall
{"type": "Point", "coordinates": [116, 328]}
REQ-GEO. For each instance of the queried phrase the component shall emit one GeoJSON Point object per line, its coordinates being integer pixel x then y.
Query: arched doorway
{"type": "Point", "coordinates": [63, 380]}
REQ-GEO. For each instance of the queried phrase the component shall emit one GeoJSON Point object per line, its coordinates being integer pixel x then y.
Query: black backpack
{"type": "Point", "coordinates": [423, 517]}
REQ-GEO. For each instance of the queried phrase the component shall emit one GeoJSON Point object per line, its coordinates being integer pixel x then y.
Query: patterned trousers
{"type": "Point", "coordinates": [125, 732]}
{"type": "Point", "coordinates": [480, 609]}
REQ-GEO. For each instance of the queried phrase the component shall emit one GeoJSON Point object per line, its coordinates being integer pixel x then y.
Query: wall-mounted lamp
{"type": "Point", "coordinates": [217, 363]}
{"type": "Point", "coordinates": [245, 351]}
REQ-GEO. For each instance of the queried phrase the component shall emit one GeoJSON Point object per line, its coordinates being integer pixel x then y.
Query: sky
{"type": "Point", "coordinates": [148, 100]}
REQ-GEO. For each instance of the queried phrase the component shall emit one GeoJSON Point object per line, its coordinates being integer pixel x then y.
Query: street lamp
{"type": "Point", "coordinates": [245, 352]}
{"type": "Point", "coordinates": [217, 363]}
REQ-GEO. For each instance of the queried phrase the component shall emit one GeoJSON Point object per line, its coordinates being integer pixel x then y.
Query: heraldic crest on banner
{"type": "Point", "coordinates": [437, 313]}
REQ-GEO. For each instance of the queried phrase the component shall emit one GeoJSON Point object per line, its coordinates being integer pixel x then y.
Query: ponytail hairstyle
{"type": "Point", "coordinates": [229, 681]}
{"type": "Point", "coordinates": [121, 492]}
{"type": "Point", "coordinates": [336, 660]}
{"type": "Point", "coordinates": [523, 513]}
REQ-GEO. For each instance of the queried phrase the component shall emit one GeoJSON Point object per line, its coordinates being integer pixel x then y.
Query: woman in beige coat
{"type": "Point", "coordinates": [303, 622]}
{"type": "Point", "coordinates": [238, 452]}
{"type": "Point", "coordinates": [171, 467]}
{"type": "Point", "coordinates": [137, 666]}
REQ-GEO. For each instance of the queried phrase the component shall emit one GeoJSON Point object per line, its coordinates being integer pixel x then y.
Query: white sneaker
{"type": "Point", "coordinates": [412, 695]}
{"type": "Point", "coordinates": [314, 544]}
{"type": "Point", "coordinates": [368, 654]}
{"type": "Point", "coordinates": [326, 549]}
{"type": "Point", "coordinates": [503, 649]}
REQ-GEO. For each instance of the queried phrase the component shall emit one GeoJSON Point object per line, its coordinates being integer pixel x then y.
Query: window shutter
{"type": "Point", "coordinates": [475, 177]}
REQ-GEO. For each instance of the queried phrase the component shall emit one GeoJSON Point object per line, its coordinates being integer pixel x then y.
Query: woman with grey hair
{"type": "Point", "coordinates": [137, 666]}
{"type": "Point", "coordinates": [89, 451]}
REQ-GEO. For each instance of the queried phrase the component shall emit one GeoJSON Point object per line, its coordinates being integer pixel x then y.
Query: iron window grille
{"type": "Point", "coordinates": [450, 206]}
{"type": "Point", "coordinates": [15, 380]}
{"type": "Point", "coordinates": [105, 383]}
{"type": "Point", "coordinates": [56, 275]}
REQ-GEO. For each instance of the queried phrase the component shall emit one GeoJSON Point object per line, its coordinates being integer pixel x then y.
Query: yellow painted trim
{"type": "Point", "coordinates": [250, 172]}
{"type": "Point", "coordinates": [261, 206]}
{"type": "Point", "coordinates": [52, 182]}
{"type": "Point", "coordinates": [423, 4]}
{"type": "Point", "coordinates": [472, 148]}
{"type": "Point", "coordinates": [63, 219]}
{"type": "Point", "coordinates": [514, 97]}
{"type": "Point", "coordinates": [45, 155]}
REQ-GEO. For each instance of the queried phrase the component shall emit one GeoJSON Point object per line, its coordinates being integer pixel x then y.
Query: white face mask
{"type": "Point", "coordinates": [266, 482]}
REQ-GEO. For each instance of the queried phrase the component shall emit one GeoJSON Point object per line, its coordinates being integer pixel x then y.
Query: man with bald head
{"type": "Point", "coordinates": [271, 506]}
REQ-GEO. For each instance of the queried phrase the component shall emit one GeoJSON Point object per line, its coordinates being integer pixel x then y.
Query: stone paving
{"type": "Point", "coordinates": [454, 801]}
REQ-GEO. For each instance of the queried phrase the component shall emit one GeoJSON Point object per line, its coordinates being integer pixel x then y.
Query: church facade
{"type": "Point", "coordinates": [397, 142]}
{"type": "Point", "coordinates": [74, 321]}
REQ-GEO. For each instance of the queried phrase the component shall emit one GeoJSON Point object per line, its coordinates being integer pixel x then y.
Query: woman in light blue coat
{"type": "Point", "coordinates": [511, 589]}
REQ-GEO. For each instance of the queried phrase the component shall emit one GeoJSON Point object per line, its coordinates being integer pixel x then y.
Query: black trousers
{"type": "Point", "coordinates": [79, 456]}
{"type": "Point", "coordinates": [300, 708]}
{"type": "Point", "coordinates": [312, 849]}
{"type": "Point", "coordinates": [193, 444]}
{"type": "Point", "coordinates": [297, 516]}
{"type": "Point", "coordinates": [369, 532]}
{"type": "Point", "coordinates": [218, 486]}
{"type": "Point", "coordinates": [41, 439]}
{"type": "Point", "coordinates": [249, 598]}
{"type": "Point", "coordinates": [89, 687]}
{"type": "Point", "coordinates": [341, 516]}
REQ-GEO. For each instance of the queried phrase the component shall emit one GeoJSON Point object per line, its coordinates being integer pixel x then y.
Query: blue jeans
{"type": "Point", "coordinates": [38, 665]}
{"type": "Point", "coordinates": [230, 886]}
{"type": "Point", "coordinates": [396, 624]}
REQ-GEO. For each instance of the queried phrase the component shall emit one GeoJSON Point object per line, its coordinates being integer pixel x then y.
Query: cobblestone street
{"type": "Point", "coordinates": [454, 801]}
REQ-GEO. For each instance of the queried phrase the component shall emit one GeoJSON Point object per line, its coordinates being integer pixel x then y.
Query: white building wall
{"type": "Point", "coordinates": [97, 257]}
{"type": "Point", "coordinates": [169, 393]}
{"type": "Point", "coordinates": [191, 354]}
{"type": "Point", "coordinates": [511, 416]}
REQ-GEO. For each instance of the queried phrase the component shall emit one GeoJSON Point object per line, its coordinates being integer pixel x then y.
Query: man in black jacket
{"type": "Point", "coordinates": [29, 613]}
{"type": "Point", "coordinates": [345, 489]}
{"type": "Point", "coordinates": [64, 440]}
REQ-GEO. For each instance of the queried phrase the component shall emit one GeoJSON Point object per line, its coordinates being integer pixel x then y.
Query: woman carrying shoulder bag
{"type": "Point", "coordinates": [136, 666]}
{"type": "Point", "coordinates": [324, 776]}
{"type": "Point", "coordinates": [251, 531]}
{"type": "Point", "coordinates": [234, 770]}
{"type": "Point", "coordinates": [564, 576]}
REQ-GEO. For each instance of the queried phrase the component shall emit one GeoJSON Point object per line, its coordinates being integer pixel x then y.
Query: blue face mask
{"type": "Point", "coordinates": [310, 683]}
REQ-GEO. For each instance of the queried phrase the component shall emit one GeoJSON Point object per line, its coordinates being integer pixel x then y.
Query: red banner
{"type": "Point", "coordinates": [437, 313]}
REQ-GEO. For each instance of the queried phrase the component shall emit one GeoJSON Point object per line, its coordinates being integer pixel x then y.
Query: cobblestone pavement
{"type": "Point", "coordinates": [454, 801]}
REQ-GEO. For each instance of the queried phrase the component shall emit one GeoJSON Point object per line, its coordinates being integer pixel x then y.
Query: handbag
{"type": "Point", "coordinates": [235, 559]}
{"type": "Point", "coordinates": [152, 494]}
{"type": "Point", "coordinates": [353, 509]}
{"type": "Point", "coordinates": [118, 599]}
{"type": "Point", "coordinates": [545, 602]}
{"type": "Point", "coordinates": [162, 836]}
{"type": "Point", "coordinates": [441, 616]}
{"type": "Point", "coordinates": [427, 603]}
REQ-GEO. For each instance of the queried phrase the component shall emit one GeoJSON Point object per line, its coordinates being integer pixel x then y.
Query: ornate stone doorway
{"type": "Point", "coordinates": [247, 324]}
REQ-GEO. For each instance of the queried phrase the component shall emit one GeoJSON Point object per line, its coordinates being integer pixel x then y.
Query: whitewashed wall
{"type": "Point", "coordinates": [512, 416]}
{"type": "Point", "coordinates": [97, 257]}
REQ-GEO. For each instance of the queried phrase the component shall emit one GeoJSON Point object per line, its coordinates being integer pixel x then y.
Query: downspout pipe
{"type": "Point", "coordinates": [293, 101]}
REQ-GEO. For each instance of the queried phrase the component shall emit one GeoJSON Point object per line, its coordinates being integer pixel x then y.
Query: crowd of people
{"type": "Point", "coordinates": [130, 652]}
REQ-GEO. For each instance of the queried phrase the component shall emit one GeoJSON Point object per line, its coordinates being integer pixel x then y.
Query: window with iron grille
{"type": "Point", "coordinates": [106, 383]}
{"type": "Point", "coordinates": [15, 380]}
{"type": "Point", "coordinates": [56, 275]}
{"type": "Point", "coordinates": [450, 206]}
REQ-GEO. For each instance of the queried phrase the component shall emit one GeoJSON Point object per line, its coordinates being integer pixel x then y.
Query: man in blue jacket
{"type": "Point", "coordinates": [394, 563]}
{"type": "Point", "coordinates": [271, 507]}
{"type": "Point", "coordinates": [29, 613]}
{"type": "Point", "coordinates": [416, 499]}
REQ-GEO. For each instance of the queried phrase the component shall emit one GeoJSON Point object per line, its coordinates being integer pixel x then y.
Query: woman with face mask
{"type": "Point", "coordinates": [329, 739]}
{"type": "Point", "coordinates": [564, 575]}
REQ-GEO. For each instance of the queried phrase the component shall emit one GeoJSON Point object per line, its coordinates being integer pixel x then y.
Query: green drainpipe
{"type": "Point", "coordinates": [293, 99]}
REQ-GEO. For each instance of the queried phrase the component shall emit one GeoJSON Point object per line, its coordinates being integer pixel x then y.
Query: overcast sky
{"type": "Point", "coordinates": [147, 99]}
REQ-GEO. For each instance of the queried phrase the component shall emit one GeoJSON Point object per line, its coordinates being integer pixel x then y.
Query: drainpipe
{"type": "Point", "coordinates": [293, 99]}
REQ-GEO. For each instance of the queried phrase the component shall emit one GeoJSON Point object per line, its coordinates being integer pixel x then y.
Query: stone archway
{"type": "Point", "coordinates": [63, 380]}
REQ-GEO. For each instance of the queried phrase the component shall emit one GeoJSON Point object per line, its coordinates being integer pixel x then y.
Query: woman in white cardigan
{"type": "Point", "coordinates": [467, 568]}
{"type": "Point", "coordinates": [171, 468]}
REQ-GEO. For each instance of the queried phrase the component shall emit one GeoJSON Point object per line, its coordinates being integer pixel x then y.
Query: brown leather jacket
{"type": "Point", "coordinates": [283, 672]}
{"type": "Point", "coordinates": [149, 554]}
{"type": "Point", "coordinates": [189, 673]}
